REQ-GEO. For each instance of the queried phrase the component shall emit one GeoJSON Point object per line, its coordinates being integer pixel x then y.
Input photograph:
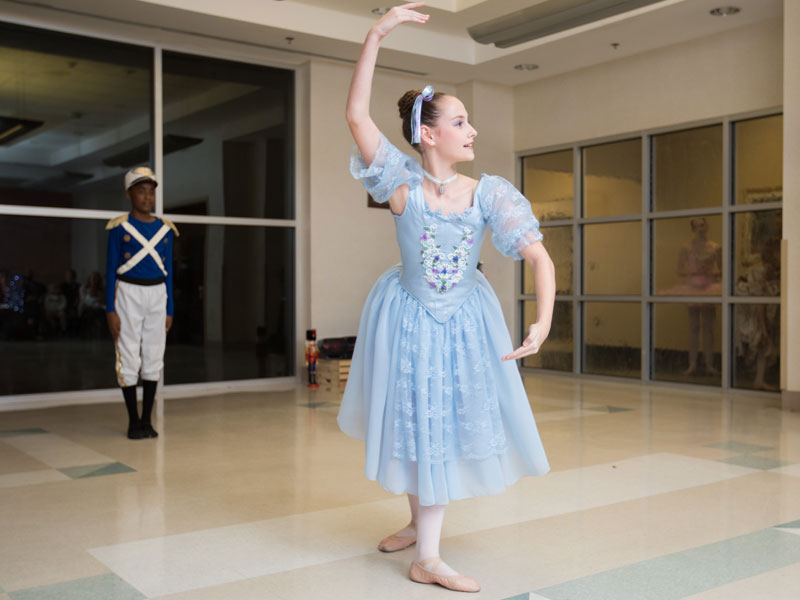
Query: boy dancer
{"type": "Point", "coordinates": [139, 296]}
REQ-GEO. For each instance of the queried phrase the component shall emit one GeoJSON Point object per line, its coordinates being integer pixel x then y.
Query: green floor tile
{"type": "Point", "coordinates": [754, 462]}
{"type": "Point", "coordinates": [102, 587]}
{"type": "Point", "coordinates": [16, 432]}
{"type": "Point", "coordinates": [85, 471]}
{"type": "Point", "coordinates": [739, 447]}
{"type": "Point", "coordinates": [683, 574]}
{"type": "Point", "coordinates": [791, 525]}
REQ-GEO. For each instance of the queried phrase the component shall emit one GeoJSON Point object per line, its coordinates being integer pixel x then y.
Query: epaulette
{"type": "Point", "coordinates": [117, 221]}
{"type": "Point", "coordinates": [171, 226]}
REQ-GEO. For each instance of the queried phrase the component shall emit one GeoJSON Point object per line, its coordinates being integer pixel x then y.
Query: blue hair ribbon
{"type": "Point", "coordinates": [416, 112]}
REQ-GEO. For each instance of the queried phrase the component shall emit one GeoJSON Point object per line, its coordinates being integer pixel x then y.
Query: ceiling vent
{"type": "Point", "coordinates": [548, 18]}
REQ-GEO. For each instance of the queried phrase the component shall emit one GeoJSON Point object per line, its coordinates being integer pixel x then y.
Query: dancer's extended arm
{"type": "Point", "coordinates": [365, 132]}
{"type": "Point", "coordinates": [544, 275]}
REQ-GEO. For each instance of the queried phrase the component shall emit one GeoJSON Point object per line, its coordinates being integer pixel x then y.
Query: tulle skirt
{"type": "Point", "coordinates": [442, 417]}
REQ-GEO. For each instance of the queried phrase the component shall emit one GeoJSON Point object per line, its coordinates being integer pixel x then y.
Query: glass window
{"type": "Point", "coordinates": [547, 181]}
{"type": "Point", "coordinates": [227, 138]}
{"type": "Point", "coordinates": [686, 343]}
{"type": "Point", "coordinates": [612, 258]}
{"type": "Point", "coordinates": [556, 353]}
{"type": "Point", "coordinates": [687, 169]}
{"type": "Point", "coordinates": [233, 292]}
{"type": "Point", "coordinates": [558, 241]}
{"type": "Point", "coordinates": [53, 332]}
{"type": "Point", "coordinates": [75, 114]}
{"type": "Point", "coordinates": [234, 304]}
{"type": "Point", "coordinates": [613, 339]}
{"type": "Point", "coordinates": [612, 179]}
{"type": "Point", "coordinates": [687, 256]}
{"type": "Point", "coordinates": [759, 160]}
{"type": "Point", "coordinates": [757, 265]}
{"type": "Point", "coordinates": [757, 342]}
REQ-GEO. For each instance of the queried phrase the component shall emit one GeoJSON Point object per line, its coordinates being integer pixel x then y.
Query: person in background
{"type": "Point", "coordinates": [139, 305]}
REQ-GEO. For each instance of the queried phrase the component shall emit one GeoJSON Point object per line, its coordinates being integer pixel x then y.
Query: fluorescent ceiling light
{"type": "Point", "coordinates": [11, 128]}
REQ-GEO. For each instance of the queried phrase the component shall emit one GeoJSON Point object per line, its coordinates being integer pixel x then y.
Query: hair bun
{"type": "Point", "coordinates": [406, 103]}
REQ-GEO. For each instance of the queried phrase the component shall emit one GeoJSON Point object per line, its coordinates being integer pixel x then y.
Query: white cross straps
{"type": "Point", "coordinates": [148, 247]}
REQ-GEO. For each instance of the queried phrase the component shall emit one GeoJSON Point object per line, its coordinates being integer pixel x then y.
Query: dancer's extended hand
{"type": "Point", "coordinates": [537, 334]}
{"type": "Point", "coordinates": [398, 15]}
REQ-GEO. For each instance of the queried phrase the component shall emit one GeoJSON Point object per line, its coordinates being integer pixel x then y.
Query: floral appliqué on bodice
{"type": "Point", "coordinates": [444, 271]}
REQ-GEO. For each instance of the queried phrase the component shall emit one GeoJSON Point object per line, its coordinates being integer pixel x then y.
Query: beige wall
{"type": "Point", "coordinates": [728, 73]}
{"type": "Point", "coordinates": [351, 244]}
{"type": "Point", "coordinates": [790, 321]}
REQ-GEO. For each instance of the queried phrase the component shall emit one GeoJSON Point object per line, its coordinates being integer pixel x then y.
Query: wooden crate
{"type": "Point", "coordinates": [332, 373]}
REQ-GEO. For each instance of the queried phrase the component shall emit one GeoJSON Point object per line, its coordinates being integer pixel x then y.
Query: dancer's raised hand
{"type": "Point", "coordinates": [398, 15]}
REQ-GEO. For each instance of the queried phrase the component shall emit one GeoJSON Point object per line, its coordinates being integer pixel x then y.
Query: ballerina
{"type": "Point", "coordinates": [433, 389]}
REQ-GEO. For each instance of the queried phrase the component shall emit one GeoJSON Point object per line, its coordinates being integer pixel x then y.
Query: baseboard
{"type": "Point", "coordinates": [105, 396]}
{"type": "Point", "coordinates": [790, 400]}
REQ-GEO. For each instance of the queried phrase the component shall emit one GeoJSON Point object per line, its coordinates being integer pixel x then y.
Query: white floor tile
{"type": "Point", "coordinates": [188, 561]}
{"type": "Point", "coordinates": [55, 451]}
{"type": "Point", "coordinates": [788, 470]}
{"type": "Point", "coordinates": [31, 477]}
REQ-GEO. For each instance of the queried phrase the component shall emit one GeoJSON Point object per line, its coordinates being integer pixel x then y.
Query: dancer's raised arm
{"type": "Point", "coordinates": [365, 132]}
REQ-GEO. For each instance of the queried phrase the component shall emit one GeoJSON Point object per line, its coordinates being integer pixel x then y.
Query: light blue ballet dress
{"type": "Point", "coordinates": [442, 417]}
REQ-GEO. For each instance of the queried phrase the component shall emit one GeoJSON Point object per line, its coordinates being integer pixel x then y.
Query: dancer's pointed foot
{"type": "Point", "coordinates": [433, 570]}
{"type": "Point", "coordinates": [400, 540]}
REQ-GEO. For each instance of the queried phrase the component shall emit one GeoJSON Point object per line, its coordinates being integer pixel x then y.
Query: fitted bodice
{"type": "Point", "coordinates": [440, 253]}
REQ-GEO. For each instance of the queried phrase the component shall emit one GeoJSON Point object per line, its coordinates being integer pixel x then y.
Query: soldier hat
{"type": "Point", "coordinates": [138, 175]}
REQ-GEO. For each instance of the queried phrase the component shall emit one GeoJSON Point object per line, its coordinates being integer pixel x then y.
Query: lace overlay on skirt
{"type": "Point", "coordinates": [445, 402]}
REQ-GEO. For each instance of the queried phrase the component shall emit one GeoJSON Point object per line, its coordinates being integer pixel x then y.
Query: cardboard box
{"type": "Point", "coordinates": [332, 373]}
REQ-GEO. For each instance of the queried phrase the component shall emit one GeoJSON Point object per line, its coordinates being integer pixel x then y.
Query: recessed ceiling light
{"type": "Point", "coordinates": [526, 67]}
{"type": "Point", "coordinates": [379, 11]}
{"type": "Point", "coordinates": [725, 11]}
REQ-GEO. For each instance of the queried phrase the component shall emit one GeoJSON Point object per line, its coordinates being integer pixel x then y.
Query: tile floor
{"type": "Point", "coordinates": [656, 493]}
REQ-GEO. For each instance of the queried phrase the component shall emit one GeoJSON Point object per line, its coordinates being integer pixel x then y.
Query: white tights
{"type": "Point", "coordinates": [427, 521]}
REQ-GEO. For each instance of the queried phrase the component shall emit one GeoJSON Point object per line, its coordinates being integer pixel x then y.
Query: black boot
{"type": "Point", "coordinates": [148, 400]}
{"type": "Point", "coordinates": [134, 424]}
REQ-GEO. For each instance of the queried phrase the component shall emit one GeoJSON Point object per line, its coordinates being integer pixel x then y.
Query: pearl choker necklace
{"type": "Point", "coordinates": [440, 182]}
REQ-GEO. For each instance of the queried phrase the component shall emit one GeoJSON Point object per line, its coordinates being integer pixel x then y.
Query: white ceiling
{"type": "Point", "coordinates": [441, 49]}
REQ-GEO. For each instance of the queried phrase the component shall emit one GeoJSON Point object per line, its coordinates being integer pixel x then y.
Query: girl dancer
{"type": "Point", "coordinates": [433, 389]}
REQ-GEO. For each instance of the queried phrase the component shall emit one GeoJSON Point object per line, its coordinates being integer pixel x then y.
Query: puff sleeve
{"type": "Point", "coordinates": [389, 170]}
{"type": "Point", "coordinates": [508, 213]}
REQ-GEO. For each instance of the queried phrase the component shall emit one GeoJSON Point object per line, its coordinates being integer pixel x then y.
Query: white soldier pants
{"type": "Point", "coordinates": [142, 311]}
